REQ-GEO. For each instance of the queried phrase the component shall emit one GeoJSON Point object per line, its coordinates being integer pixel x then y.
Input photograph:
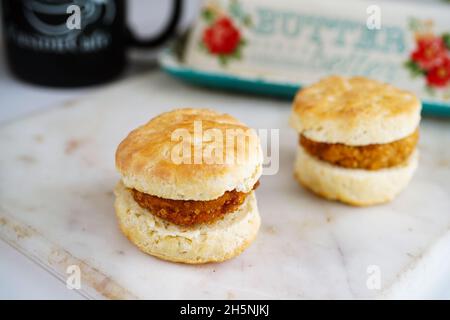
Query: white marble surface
{"type": "Point", "coordinates": [307, 247]}
{"type": "Point", "coordinates": [20, 278]}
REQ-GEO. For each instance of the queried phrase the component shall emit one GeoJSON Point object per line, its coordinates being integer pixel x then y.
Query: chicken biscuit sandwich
{"type": "Point", "coordinates": [187, 184]}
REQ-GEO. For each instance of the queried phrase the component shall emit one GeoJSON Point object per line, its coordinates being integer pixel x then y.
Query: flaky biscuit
{"type": "Point", "coordinates": [144, 157]}
{"type": "Point", "coordinates": [215, 242]}
{"type": "Point", "coordinates": [354, 111]}
{"type": "Point", "coordinates": [353, 186]}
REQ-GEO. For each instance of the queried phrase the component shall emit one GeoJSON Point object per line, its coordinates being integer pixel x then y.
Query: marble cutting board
{"type": "Point", "coordinates": [56, 206]}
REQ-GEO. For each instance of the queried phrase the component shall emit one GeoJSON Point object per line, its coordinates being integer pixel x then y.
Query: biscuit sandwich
{"type": "Point", "coordinates": [357, 139]}
{"type": "Point", "coordinates": [187, 184]}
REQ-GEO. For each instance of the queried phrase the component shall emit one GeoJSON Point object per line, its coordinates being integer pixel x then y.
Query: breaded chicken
{"type": "Point", "coordinates": [191, 212]}
{"type": "Point", "coordinates": [369, 157]}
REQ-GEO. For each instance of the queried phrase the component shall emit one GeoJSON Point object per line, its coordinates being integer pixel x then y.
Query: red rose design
{"type": "Point", "coordinates": [439, 76]}
{"type": "Point", "coordinates": [222, 37]}
{"type": "Point", "coordinates": [429, 53]}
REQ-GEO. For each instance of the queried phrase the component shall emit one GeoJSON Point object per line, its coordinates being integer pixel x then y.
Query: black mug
{"type": "Point", "coordinates": [68, 43]}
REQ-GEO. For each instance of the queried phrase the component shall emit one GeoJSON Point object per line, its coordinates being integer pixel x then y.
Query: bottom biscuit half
{"type": "Point", "coordinates": [203, 243]}
{"type": "Point", "coordinates": [357, 187]}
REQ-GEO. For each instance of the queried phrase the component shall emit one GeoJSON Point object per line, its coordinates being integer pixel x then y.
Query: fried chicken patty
{"type": "Point", "coordinates": [190, 212]}
{"type": "Point", "coordinates": [369, 157]}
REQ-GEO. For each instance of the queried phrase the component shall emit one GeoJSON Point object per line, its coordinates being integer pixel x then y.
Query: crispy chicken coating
{"type": "Point", "coordinates": [369, 157]}
{"type": "Point", "coordinates": [191, 212]}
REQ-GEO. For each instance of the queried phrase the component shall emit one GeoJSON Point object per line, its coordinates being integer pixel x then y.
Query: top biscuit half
{"type": "Point", "coordinates": [190, 154]}
{"type": "Point", "coordinates": [354, 111]}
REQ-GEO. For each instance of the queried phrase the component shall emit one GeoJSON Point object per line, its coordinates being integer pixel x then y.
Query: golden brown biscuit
{"type": "Point", "coordinates": [357, 187]}
{"type": "Point", "coordinates": [222, 240]}
{"type": "Point", "coordinates": [358, 139]}
{"type": "Point", "coordinates": [145, 157]}
{"type": "Point", "coordinates": [186, 193]}
{"type": "Point", "coordinates": [355, 111]}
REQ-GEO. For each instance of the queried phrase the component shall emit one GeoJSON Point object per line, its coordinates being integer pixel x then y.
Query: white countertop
{"type": "Point", "coordinates": [20, 278]}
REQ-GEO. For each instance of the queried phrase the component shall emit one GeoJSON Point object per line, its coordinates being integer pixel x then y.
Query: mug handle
{"type": "Point", "coordinates": [164, 35]}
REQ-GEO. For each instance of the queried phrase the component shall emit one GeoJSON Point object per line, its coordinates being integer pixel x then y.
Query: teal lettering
{"type": "Point", "coordinates": [291, 24]}
{"type": "Point", "coordinates": [395, 40]}
{"type": "Point", "coordinates": [266, 22]}
{"type": "Point", "coordinates": [367, 39]}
